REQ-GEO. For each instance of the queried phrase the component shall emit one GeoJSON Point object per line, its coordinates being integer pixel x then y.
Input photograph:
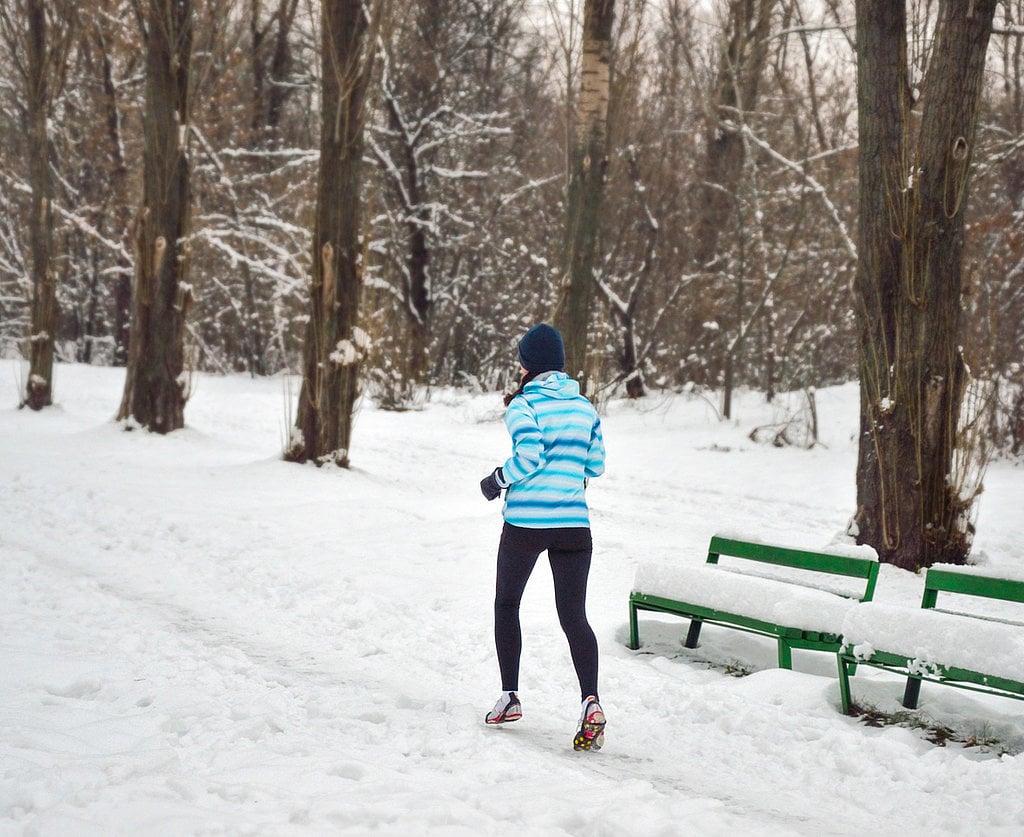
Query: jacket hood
{"type": "Point", "coordinates": [554, 385]}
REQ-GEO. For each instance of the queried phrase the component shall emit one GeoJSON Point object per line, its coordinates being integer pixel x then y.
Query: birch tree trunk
{"type": "Point", "coordinates": [335, 345]}
{"type": "Point", "coordinates": [588, 161]}
{"type": "Point", "coordinates": [156, 386]}
{"type": "Point", "coordinates": [908, 287]}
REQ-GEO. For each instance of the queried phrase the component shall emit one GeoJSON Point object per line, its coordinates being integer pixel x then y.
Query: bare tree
{"type": "Point", "coordinates": [638, 277]}
{"type": "Point", "coordinates": [465, 181]}
{"type": "Point", "coordinates": [38, 36]}
{"type": "Point", "coordinates": [101, 48]}
{"type": "Point", "coordinates": [156, 386]}
{"type": "Point", "coordinates": [255, 129]}
{"type": "Point", "coordinates": [995, 263]}
{"type": "Point", "coordinates": [909, 284]}
{"type": "Point", "coordinates": [335, 344]}
{"type": "Point", "coordinates": [742, 59]}
{"type": "Point", "coordinates": [436, 54]}
{"type": "Point", "coordinates": [588, 163]}
{"type": "Point", "coordinates": [272, 59]}
{"type": "Point", "coordinates": [623, 311]}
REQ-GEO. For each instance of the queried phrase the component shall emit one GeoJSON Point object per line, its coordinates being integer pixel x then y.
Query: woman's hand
{"type": "Point", "coordinates": [491, 485]}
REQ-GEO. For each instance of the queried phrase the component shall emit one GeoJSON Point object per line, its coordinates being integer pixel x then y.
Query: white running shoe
{"type": "Point", "coordinates": [590, 733]}
{"type": "Point", "coordinates": [507, 709]}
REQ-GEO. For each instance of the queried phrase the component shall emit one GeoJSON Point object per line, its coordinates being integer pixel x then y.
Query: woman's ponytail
{"type": "Point", "coordinates": [527, 377]}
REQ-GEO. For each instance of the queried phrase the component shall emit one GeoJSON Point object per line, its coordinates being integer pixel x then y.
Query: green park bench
{"type": "Point", "coordinates": [795, 602]}
{"type": "Point", "coordinates": [977, 652]}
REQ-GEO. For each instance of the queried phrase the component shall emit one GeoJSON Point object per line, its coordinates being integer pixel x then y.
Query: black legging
{"type": "Point", "coordinates": [569, 551]}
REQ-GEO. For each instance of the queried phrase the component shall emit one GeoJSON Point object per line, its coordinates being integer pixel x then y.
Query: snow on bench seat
{"type": "Point", "coordinates": [979, 651]}
{"type": "Point", "coordinates": [792, 607]}
{"type": "Point", "coordinates": [930, 638]}
{"type": "Point", "coordinates": [769, 600]}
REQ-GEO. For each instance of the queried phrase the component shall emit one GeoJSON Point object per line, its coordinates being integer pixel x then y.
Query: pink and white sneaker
{"type": "Point", "coordinates": [507, 709]}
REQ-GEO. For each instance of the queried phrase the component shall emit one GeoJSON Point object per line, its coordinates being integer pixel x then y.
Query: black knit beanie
{"type": "Point", "coordinates": [541, 350]}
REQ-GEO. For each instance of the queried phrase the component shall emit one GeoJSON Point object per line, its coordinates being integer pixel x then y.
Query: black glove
{"type": "Point", "coordinates": [490, 486]}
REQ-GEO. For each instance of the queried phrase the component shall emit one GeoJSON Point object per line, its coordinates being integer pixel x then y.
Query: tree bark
{"type": "Point", "coordinates": [588, 162]}
{"type": "Point", "coordinates": [335, 345]}
{"type": "Point", "coordinates": [423, 97]}
{"type": "Point", "coordinates": [155, 383]}
{"type": "Point", "coordinates": [629, 357]}
{"type": "Point", "coordinates": [270, 93]}
{"type": "Point", "coordinates": [39, 387]}
{"type": "Point", "coordinates": [119, 204]}
{"type": "Point", "coordinates": [280, 66]}
{"type": "Point", "coordinates": [908, 286]}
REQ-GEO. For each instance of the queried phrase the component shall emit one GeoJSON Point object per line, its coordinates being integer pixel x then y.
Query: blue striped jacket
{"type": "Point", "coordinates": [556, 444]}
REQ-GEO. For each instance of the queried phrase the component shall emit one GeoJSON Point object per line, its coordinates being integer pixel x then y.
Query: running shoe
{"type": "Point", "coordinates": [590, 733]}
{"type": "Point", "coordinates": [507, 709]}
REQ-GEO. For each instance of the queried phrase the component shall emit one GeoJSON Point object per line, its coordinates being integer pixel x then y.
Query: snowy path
{"type": "Point", "coordinates": [198, 638]}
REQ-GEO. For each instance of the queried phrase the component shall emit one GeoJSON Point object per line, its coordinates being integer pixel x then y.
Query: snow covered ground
{"type": "Point", "coordinates": [197, 638]}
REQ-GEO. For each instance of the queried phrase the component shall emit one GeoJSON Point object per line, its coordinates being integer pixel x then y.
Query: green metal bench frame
{"type": "Point", "coordinates": [788, 637]}
{"type": "Point", "coordinates": [937, 581]}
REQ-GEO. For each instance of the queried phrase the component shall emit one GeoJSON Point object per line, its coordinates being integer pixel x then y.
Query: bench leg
{"type": "Point", "coordinates": [912, 692]}
{"type": "Point", "coordinates": [634, 628]}
{"type": "Point", "coordinates": [844, 684]}
{"type": "Point", "coordinates": [694, 633]}
{"type": "Point", "coordinates": [785, 655]}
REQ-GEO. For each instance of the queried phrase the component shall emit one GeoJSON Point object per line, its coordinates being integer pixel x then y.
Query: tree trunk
{"type": "Point", "coordinates": [419, 298]}
{"type": "Point", "coordinates": [258, 115]}
{"type": "Point", "coordinates": [739, 76]}
{"type": "Point", "coordinates": [908, 285]}
{"type": "Point", "coordinates": [39, 388]}
{"type": "Point", "coordinates": [155, 384]}
{"type": "Point", "coordinates": [119, 204]}
{"type": "Point", "coordinates": [629, 358]}
{"type": "Point", "coordinates": [335, 345]}
{"type": "Point", "coordinates": [771, 354]}
{"type": "Point", "coordinates": [418, 310]}
{"type": "Point", "coordinates": [280, 68]}
{"type": "Point", "coordinates": [630, 363]}
{"type": "Point", "coordinates": [270, 91]}
{"type": "Point", "coordinates": [741, 66]}
{"type": "Point", "coordinates": [588, 162]}
{"type": "Point", "coordinates": [269, 96]}
{"type": "Point", "coordinates": [424, 95]}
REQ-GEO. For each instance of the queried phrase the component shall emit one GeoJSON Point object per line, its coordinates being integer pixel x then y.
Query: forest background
{"type": "Point", "coordinates": [466, 165]}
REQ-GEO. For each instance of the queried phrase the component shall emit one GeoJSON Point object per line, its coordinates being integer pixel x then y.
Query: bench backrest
{"type": "Point", "coordinates": [845, 565]}
{"type": "Point", "coordinates": [989, 587]}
